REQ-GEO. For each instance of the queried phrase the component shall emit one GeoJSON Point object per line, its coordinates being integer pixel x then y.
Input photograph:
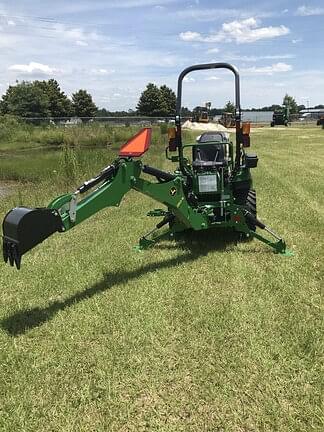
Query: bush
{"type": "Point", "coordinates": [164, 128]}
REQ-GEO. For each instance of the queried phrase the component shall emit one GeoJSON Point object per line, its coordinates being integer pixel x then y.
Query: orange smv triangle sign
{"type": "Point", "coordinates": [138, 144]}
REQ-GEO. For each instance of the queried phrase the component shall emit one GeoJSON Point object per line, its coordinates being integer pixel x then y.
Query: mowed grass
{"type": "Point", "coordinates": [204, 334]}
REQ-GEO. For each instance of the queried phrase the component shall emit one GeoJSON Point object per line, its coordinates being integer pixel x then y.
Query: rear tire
{"type": "Point", "coordinates": [251, 206]}
{"type": "Point", "coordinates": [248, 199]}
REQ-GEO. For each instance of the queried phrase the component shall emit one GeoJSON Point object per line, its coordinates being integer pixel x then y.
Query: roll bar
{"type": "Point", "coordinates": [237, 103]}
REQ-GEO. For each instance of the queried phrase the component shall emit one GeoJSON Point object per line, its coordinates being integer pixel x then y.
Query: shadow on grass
{"type": "Point", "coordinates": [193, 244]}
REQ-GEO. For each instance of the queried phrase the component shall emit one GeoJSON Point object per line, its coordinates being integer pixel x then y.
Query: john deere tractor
{"type": "Point", "coordinates": [281, 117]}
{"type": "Point", "coordinates": [211, 188]}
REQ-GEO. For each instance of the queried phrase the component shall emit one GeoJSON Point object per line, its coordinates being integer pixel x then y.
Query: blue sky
{"type": "Point", "coordinates": [114, 48]}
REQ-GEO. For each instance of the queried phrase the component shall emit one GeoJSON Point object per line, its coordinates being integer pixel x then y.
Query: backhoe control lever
{"type": "Point", "coordinates": [106, 174]}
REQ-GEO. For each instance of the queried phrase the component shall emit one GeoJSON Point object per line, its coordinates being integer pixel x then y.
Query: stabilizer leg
{"type": "Point", "coordinates": [145, 242]}
{"type": "Point", "coordinates": [279, 246]}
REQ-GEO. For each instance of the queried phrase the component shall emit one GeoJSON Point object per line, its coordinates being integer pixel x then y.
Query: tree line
{"type": "Point", "coordinates": [45, 99]}
{"type": "Point", "coordinates": [41, 99]}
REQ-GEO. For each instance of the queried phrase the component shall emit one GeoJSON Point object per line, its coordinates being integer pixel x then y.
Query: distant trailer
{"type": "Point", "coordinates": [257, 116]}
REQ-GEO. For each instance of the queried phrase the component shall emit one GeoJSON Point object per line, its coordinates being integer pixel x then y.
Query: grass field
{"type": "Point", "coordinates": [201, 335]}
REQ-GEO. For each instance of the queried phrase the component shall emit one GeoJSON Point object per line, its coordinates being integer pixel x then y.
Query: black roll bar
{"type": "Point", "coordinates": [237, 104]}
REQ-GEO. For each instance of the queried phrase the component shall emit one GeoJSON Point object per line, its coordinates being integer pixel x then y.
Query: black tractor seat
{"type": "Point", "coordinates": [213, 155]}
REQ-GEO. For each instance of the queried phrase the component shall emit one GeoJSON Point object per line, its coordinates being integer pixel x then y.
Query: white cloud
{"type": "Point", "coordinates": [190, 36]}
{"type": "Point", "coordinates": [101, 71]}
{"type": "Point", "coordinates": [244, 31]}
{"type": "Point", "coordinates": [209, 14]}
{"type": "Point", "coordinates": [136, 3]}
{"type": "Point", "coordinates": [77, 7]}
{"type": "Point", "coordinates": [212, 78]}
{"type": "Point", "coordinates": [309, 11]}
{"type": "Point", "coordinates": [188, 79]}
{"type": "Point", "coordinates": [81, 43]}
{"type": "Point", "coordinates": [268, 70]}
{"type": "Point", "coordinates": [77, 35]}
{"type": "Point", "coordinates": [11, 23]}
{"type": "Point", "coordinates": [244, 58]}
{"type": "Point", "coordinates": [213, 51]}
{"type": "Point", "coordinates": [33, 68]}
{"type": "Point", "coordinates": [247, 31]}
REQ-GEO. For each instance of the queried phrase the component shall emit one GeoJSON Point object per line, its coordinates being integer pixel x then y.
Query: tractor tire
{"type": "Point", "coordinates": [251, 206]}
{"type": "Point", "coordinates": [248, 199]}
{"type": "Point", "coordinates": [272, 124]}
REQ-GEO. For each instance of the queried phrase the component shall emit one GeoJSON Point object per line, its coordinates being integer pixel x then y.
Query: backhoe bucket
{"type": "Point", "coordinates": [24, 228]}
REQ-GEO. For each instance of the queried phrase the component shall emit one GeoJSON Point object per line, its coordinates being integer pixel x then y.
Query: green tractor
{"type": "Point", "coordinates": [281, 117]}
{"type": "Point", "coordinates": [210, 189]}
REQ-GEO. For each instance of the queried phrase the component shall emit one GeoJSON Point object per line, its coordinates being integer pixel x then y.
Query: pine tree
{"type": "Point", "coordinates": [59, 104]}
{"type": "Point", "coordinates": [83, 104]}
{"type": "Point", "coordinates": [291, 102]}
{"type": "Point", "coordinates": [149, 103]}
{"type": "Point", "coordinates": [229, 107]}
{"type": "Point", "coordinates": [169, 101]}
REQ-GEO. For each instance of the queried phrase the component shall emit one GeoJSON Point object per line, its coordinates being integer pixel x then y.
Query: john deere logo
{"type": "Point", "coordinates": [173, 191]}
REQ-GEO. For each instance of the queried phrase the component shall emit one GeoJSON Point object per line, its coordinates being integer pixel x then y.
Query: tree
{"type": "Point", "coordinates": [102, 112]}
{"type": "Point", "coordinates": [59, 104]}
{"type": "Point", "coordinates": [291, 102]}
{"type": "Point", "coordinates": [229, 107]}
{"type": "Point", "coordinates": [156, 101]}
{"type": "Point", "coordinates": [83, 104]}
{"type": "Point", "coordinates": [26, 99]}
{"type": "Point", "coordinates": [169, 99]}
{"type": "Point", "coordinates": [185, 112]}
{"type": "Point", "coordinates": [149, 103]}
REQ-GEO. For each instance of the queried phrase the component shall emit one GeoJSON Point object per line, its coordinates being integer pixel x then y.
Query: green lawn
{"type": "Point", "coordinates": [201, 335]}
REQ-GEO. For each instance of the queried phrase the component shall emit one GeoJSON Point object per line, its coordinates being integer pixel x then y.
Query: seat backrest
{"type": "Point", "coordinates": [209, 152]}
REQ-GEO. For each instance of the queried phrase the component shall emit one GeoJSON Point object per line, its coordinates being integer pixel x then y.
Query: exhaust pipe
{"type": "Point", "coordinates": [24, 228]}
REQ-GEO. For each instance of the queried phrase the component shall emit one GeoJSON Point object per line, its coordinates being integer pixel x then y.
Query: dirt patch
{"type": "Point", "coordinates": [6, 188]}
{"type": "Point", "coordinates": [213, 127]}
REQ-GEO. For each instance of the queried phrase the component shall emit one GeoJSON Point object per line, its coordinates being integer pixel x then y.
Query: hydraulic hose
{"type": "Point", "coordinates": [106, 174]}
{"type": "Point", "coordinates": [158, 173]}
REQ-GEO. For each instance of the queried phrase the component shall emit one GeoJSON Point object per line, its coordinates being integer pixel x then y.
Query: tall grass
{"type": "Point", "coordinates": [65, 156]}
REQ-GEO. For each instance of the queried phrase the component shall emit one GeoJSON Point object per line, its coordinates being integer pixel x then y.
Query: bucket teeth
{"type": "Point", "coordinates": [11, 253]}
